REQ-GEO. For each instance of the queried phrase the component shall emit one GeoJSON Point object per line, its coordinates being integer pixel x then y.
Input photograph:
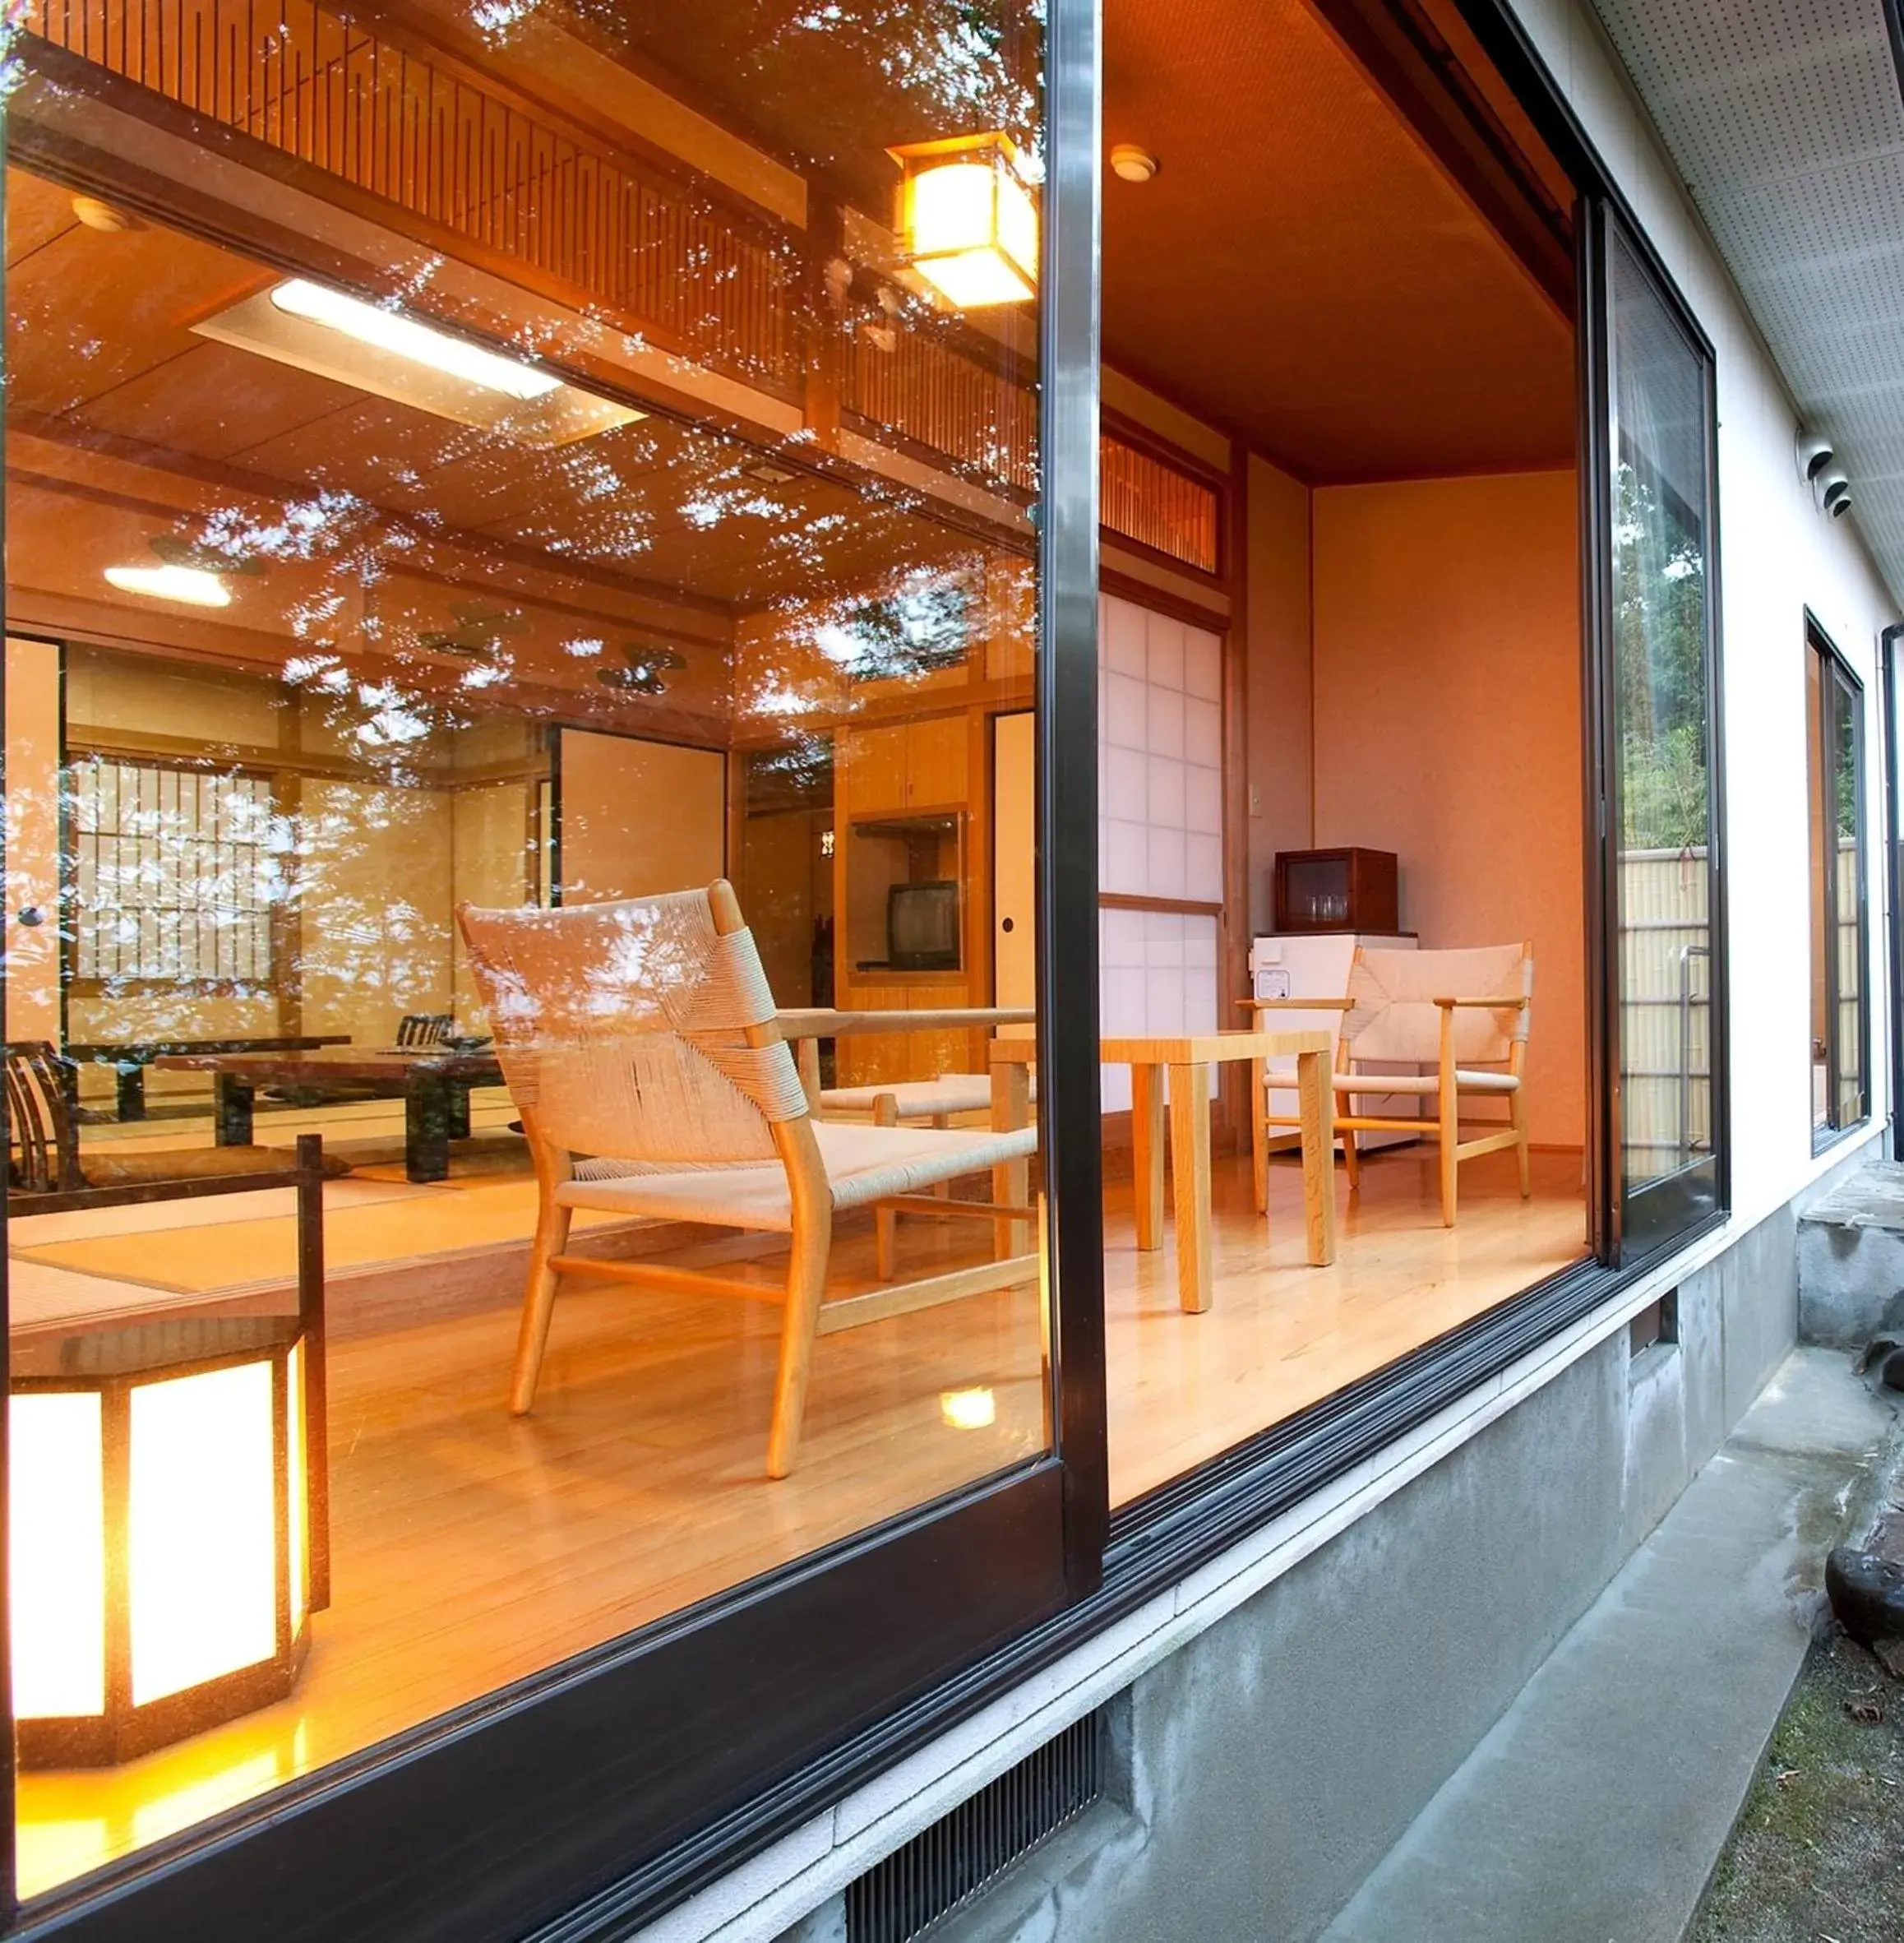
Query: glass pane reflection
{"type": "Point", "coordinates": [521, 465]}
{"type": "Point", "coordinates": [1661, 671]}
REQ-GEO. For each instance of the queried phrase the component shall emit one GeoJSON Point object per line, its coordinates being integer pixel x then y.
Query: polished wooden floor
{"type": "Point", "coordinates": [470, 1549]}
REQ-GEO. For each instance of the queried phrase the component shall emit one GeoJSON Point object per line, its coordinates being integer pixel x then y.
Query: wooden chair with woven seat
{"type": "Point", "coordinates": [44, 1156]}
{"type": "Point", "coordinates": [1464, 1013]}
{"type": "Point", "coordinates": [937, 1103]}
{"type": "Point", "coordinates": [641, 1034]}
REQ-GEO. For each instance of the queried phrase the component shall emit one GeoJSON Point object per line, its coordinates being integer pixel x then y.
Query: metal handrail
{"type": "Point", "coordinates": [1686, 954]}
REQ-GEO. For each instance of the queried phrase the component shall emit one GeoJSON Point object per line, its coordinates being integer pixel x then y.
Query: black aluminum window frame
{"type": "Point", "coordinates": [1836, 672]}
{"type": "Point", "coordinates": [589, 1799]}
{"type": "Point", "coordinates": [1640, 1224]}
{"type": "Point", "coordinates": [496, 1817]}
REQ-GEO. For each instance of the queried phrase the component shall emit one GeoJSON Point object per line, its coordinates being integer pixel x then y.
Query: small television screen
{"type": "Point", "coordinates": [922, 927]}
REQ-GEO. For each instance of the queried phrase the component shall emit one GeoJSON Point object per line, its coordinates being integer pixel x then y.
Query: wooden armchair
{"type": "Point", "coordinates": [1465, 1014]}
{"type": "Point", "coordinates": [641, 1034]}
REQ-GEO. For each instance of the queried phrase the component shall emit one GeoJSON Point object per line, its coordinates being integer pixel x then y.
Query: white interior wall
{"type": "Point", "coordinates": [1778, 554]}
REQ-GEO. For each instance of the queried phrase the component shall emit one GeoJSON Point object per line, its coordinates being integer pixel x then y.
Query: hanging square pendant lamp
{"type": "Point", "coordinates": [968, 220]}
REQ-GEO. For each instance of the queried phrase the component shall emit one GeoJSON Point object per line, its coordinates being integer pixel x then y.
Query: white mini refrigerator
{"type": "Point", "coordinates": [1315, 964]}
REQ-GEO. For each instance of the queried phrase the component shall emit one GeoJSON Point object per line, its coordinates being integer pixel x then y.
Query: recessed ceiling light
{"type": "Point", "coordinates": [315, 328]}
{"type": "Point", "coordinates": [391, 330]}
{"type": "Point", "coordinates": [1131, 163]}
{"type": "Point", "coordinates": [192, 584]}
{"type": "Point", "coordinates": [768, 472]}
{"type": "Point", "coordinates": [105, 217]}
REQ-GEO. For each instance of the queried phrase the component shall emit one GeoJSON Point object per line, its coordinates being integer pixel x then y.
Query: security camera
{"type": "Point", "coordinates": [1830, 487]}
{"type": "Point", "coordinates": [1814, 455]}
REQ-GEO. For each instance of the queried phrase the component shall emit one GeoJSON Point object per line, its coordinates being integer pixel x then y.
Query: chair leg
{"type": "Point", "coordinates": [1351, 1158]}
{"type": "Point", "coordinates": [799, 1328]}
{"type": "Point", "coordinates": [1518, 1107]}
{"type": "Point", "coordinates": [552, 1237]}
{"type": "Point", "coordinates": [942, 1190]}
{"type": "Point", "coordinates": [1450, 1153]}
{"type": "Point", "coordinates": [886, 1222]}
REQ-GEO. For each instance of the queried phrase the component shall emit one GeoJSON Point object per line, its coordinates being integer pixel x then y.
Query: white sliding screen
{"type": "Point", "coordinates": [636, 818]}
{"type": "Point", "coordinates": [1160, 828]}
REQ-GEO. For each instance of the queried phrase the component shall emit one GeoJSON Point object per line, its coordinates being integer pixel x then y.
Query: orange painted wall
{"type": "Point", "coordinates": [1447, 728]}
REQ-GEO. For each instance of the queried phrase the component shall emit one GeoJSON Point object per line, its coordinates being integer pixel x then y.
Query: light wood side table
{"type": "Point", "coordinates": [1186, 1059]}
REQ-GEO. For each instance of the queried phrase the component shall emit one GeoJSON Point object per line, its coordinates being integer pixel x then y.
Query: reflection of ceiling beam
{"type": "Point", "coordinates": [88, 129]}
{"type": "Point", "coordinates": [425, 139]}
{"type": "Point", "coordinates": [98, 623]}
{"type": "Point", "coordinates": [911, 704]}
{"type": "Point", "coordinates": [129, 745]}
{"type": "Point", "coordinates": [82, 125]}
{"type": "Point", "coordinates": [677, 621]}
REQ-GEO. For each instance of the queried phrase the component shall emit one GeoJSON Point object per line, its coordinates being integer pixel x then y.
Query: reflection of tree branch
{"type": "Point", "coordinates": [1659, 621]}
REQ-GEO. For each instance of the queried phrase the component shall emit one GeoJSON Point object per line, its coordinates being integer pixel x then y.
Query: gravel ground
{"type": "Point", "coordinates": [1817, 1855]}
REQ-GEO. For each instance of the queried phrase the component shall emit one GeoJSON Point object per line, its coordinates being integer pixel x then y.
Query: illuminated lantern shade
{"type": "Point", "coordinates": [967, 221]}
{"type": "Point", "coordinates": [167, 1542]}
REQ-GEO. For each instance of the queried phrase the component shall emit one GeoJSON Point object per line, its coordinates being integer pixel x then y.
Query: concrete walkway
{"type": "Point", "coordinates": [1595, 1810]}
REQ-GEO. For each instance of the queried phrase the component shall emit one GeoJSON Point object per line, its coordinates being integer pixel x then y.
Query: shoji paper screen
{"type": "Point", "coordinates": [1160, 827]}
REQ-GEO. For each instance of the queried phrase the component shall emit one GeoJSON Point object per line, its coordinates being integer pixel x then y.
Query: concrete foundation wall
{"type": "Point", "coordinates": [1266, 1767]}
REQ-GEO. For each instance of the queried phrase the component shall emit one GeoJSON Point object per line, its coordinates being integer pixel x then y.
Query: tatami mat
{"type": "Point", "coordinates": [235, 1256]}
{"type": "Point", "coordinates": [208, 1211]}
{"type": "Point", "coordinates": [38, 1298]}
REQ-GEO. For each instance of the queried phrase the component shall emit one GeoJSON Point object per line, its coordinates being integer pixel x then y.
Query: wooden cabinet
{"type": "Point", "coordinates": [936, 768]}
{"type": "Point", "coordinates": [869, 770]}
{"type": "Point", "coordinates": [921, 770]}
{"type": "Point", "coordinates": [874, 1058]}
{"type": "Point", "coordinates": [911, 765]}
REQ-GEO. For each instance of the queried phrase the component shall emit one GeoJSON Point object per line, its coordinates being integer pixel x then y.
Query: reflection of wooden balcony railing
{"type": "Point", "coordinates": [947, 402]}
{"type": "Point", "coordinates": [422, 134]}
{"type": "Point", "coordinates": [468, 157]}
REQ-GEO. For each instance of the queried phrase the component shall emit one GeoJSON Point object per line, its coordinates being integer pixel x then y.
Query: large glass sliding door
{"type": "Point", "coordinates": [1660, 789]}
{"type": "Point", "coordinates": [555, 621]}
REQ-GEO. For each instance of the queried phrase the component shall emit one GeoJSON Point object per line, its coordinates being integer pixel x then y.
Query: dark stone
{"type": "Point", "coordinates": [1875, 1351]}
{"type": "Point", "coordinates": [1867, 1594]}
{"type": "Point", "coordinates": [1891, 1371]}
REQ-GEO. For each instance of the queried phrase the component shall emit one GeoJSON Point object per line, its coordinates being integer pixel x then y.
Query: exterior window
{"type": "Point", "coordinates": [1665, 827]}
{"type": "Point", "coordinates": [510, 688]}
{"type": "Point", "coordinates": [1835, 779]}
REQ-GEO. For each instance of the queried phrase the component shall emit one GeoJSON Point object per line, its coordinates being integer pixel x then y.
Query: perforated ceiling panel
{"type": "Point", "coordinates": [1785, 118]}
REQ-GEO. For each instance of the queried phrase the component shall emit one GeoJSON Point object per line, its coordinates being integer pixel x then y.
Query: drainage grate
{"type": "Point", "coordinates": [945, 1865]}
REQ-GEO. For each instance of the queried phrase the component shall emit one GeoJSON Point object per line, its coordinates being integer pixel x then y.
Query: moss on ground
{"type": "Point", "coordinates": [1817, 1855]}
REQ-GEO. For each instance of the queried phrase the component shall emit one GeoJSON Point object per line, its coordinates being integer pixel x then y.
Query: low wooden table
{"type": "Point", "coordinates": [434, 1087]}
{"type": "Point", "coordinates": [1185, 1060]}
{"type": "Point", "coordinates": [129, 1058]}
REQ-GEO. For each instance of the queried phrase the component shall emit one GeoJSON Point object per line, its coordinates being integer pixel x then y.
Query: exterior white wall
{"type": "Point", "coordinates": [1777, 555]}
